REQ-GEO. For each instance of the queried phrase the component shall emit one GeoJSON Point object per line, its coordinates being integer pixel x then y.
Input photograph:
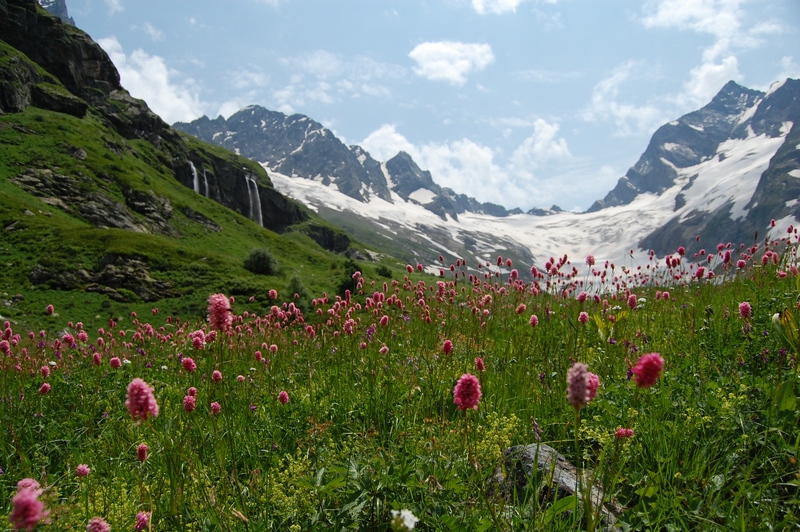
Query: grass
{"type": "Point", "coordinates": [370, 425]}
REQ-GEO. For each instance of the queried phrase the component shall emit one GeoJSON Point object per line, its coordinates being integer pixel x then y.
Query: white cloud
{"type": "Point", "coordinates": [230, 107]}
{"type": "Point", "coordinates": [247, 79]}
{"type": "Point", "coordinates": [706, 80]}
{"type": "Point", "coordinates": [450, 61]}
{"type": "Point", "coordinates": [148, 78]}
{"type": "Point", "coordinates": [114, 6]}
{"type": "Point", "coordinates": [629, 119]}
{"type": "Point", "coordinates": [471, 168]}
{"type": "Point", "coordinates": [153, 32]}
{"type": "Point", "coordinates": [789, 69]}
{"type": "Point", "coordinates": [495, 6]}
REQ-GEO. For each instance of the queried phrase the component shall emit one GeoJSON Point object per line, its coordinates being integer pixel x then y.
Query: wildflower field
{"type": "Point", "coordinates": [673, 382]}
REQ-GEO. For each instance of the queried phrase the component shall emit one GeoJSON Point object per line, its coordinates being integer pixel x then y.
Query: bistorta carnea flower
{"type": "Point", "coordinates": [648, 370]}
{"type": "Point", "coordinates": [98, 524]}
{"type": "Point", "coordinates": [578, 385]}
{"type": "Point", "coordinates": [219, 312]}
{"type": "Point", "coordinates": [467, 392]}
{"type": "Point", "coordinates": [27, 510]}
{"type": "Point", "coordinates": [141, 402]}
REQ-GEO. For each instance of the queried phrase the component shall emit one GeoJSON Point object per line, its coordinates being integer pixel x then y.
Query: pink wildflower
{"type": "Point", "coordinates": [219, 312]}
{"type": "Point", "coordinates": [383, 350]}
{"type": "Point", "coordinates": [534, 321]}
{"type": "Point", "coordinates": [240, 378]}
{"type": "Point", "coordinates": [745, 310]}
{"type": "Point", "coordinates": [188, 364]}
{"type": "Point", "coordinates": [741, 264]}
{"type": "Point", "coordinates": [632, 301]}
{"type": "Point", "coordinates": [583, 317]}
{"type": "Point", "coordinates": [593, 385]}
{"type": "Point", "coordinates": [115, 362]}
{"type": "Point", "coordinates": [283, 397]}
{"type": "Point", "coordinates": [82, 470]}
{"type": "Point", "coordinates": [189, 403]}
{"type": "Point", "coordinates": [45, 371]}
{"type": "Point", "coordinates": [215, 408]}
{"type": "Point", "coordinates": [623, 433]}
{"type": "Point", "coordinates": [141, 402]}
{"type": "Point", "coordinates": [479, 365]}
{"type": "Point", "coordinates": [27, 510]}
{"type": "Point", "coordinates": [44, 388]}
{"type": "Point", "coordinates": [590, 260]}
{"type": "Point", "coordinates": [467, 392]}
{"type": "Point", "coordinates": [447, 347]}
{"type": "Point", "coordinates": [192, 391]}
{"type": "Point", "coordinates": [648, 370]}
{"type": "Point", "coordinates": [578, 385]}
{"type": "Point", "coordinates": [582, 297]}
{"type": "Point", "coordinates": [142, 521]}
{"type": "Point", "coordinates": [98, 524]}
{"type": "Point", "coordinates": [49, 310]}
{"type": "Point", "coordinates": [97, 359]}
{"type": "Point", "coordinates": [273, 294]}
{"type": "Point", "coordinates": [141, 452]}
{"type": "Point", "coordinates": [216, 376]}
{"type": "Point", "coordinates": [273, 348]}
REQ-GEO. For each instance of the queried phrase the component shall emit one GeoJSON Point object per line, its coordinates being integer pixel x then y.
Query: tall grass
{"type": "Point", "coordinates": [370, 425]}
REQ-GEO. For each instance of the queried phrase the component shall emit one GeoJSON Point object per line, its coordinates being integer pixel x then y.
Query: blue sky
{"type": "Point", "coordinates": [520, 102]}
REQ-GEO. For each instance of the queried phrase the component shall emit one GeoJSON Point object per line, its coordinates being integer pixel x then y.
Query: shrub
{"type": "Point", "coordinates": [261, 262]}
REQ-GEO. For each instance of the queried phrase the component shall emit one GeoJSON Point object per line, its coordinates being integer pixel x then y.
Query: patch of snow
{"type": "Point", "coordinates": [792, 203]}
{"type": "Point", "coordinates": [748, 113]}
{"type": "Point", "coordinates": [795, 172]}
{"type": "Point", "coordinates": [696, 128]}
{"type": "Point", "coordinates": [786, 127]}
{"type": "Point", "coordinates": [674, 123]}
{"type": "Point", "coordinates": [422, 196]}
{"type": "Point", "coordinates": [775, 86]}
{"type": "Point", "coordinates": [750, 132]}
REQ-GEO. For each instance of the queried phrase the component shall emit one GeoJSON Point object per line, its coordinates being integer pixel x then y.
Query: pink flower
{"type": "Point", "coordinates": [632, 301]}
{"type": "Point", "coordinates": [97, 359]}
{"type": "Point", "coordinates": [188, 364]}
{"type": "Point", "coordinates": [741, 264]}
{"type": "Point", "coordinates": [745, 310]}
{"type": "Point", "coordinates": [192, 391]}
{"type": "Point", "coordinates": [44, 388]}
{"type": "Point", "coordinates": [447, 347]}
{"type": "Point", "coordinates": [142, 521]}
{"type": "Point", "coordinates": [141, 402]}
{"type": "Point", "coordinates": [623, 433]}
{"type": "Point", "coordinates": [648, 370]}
{"type": "Point", "coordinates": [115, 362]}
{"type": "Point", "coordinates": [582, 297]}
{"type": "Point", "coordinates": [583, 317]}
{"type": "Point", "coordinates": [49, 310]}
{"type": "Point", "coordinates": [29, 484]}
{"type": "Point", "coordinates": [27, 509]}
{"type": "Point", "coordinates": [383, 350]}
{"type": "Point", "coordinates": [467, 392]}
{"type": "Point", "coordinates": [384, 320]}
{"type": "Point", "coordinates": [189, 403]}
{"type": "Point", "coordinates": [219, 312]}
{"type": "Point", "coordinates": [479, 365]}
{"type": "Point", "coordinates": [215, 408]}
{"type": "Point", "coordinates": [240, 378]}
{"type": "Point", "coordinates": [45, 371]}
{"type": "Point", "coordinates": [578, 385]}
{"type": "Point", "coordinates": [283, 397]}
{"type": "Point", "coordinates": [593, 385]}
{"type": "Point", "coordinates": [534, 321]}
{"type": "Point", "coordinates": [273, 294]}
{"type": "Point", "coordinates": [82, 470]}
{"type": "Point", "coordinates": [141, 452]}
{"type": "Point", "coordinates": [590, 260]}
{"type": "Point", "coordinates": [216, 376]}
{"type": "Point", "coordinates": [273, 348]}
{"type": "Point", "coordinates": [98, 524]}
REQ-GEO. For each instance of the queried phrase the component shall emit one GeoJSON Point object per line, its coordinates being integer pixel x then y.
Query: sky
{"type": "Point", "coordinates": [523, 103]}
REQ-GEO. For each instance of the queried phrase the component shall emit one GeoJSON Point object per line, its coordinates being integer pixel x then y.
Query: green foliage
{"type": "Point", "coordinates": [260, 261]}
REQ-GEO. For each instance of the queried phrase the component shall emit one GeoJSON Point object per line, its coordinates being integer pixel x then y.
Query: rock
{"type": "Point", "coordinates": [551, 474]}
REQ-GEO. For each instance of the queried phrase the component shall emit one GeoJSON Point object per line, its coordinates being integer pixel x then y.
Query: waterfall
{"type": "Point", "coordinates": [195, 180]}
{"type": "Point", "coordinates": [255, 203]}
{"type": "Point", "coordinates": [205, 182]}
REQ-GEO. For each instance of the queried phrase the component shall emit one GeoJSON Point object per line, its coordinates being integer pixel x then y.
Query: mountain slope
{"type": "Point", "coordinates": [103, 205]}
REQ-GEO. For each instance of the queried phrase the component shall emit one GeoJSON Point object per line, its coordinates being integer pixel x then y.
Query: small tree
{"type": "Point", "coordinates": [296, 286]}
{"type": "Point", "coordinates": [261, 262]}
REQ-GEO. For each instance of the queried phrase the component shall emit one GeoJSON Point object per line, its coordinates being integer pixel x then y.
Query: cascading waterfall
{"type": "Point", "coordinates": [205, 182]}
{"type": "Point", "coordinates": [255, 202]}
{"type": "Point", "coordinates": [195, 179]}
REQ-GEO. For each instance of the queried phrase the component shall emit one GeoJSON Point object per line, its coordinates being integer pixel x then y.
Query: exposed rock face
{"type": "Point", "coordinates": [59, 9]}
{"type": "Point", "coordinates": [61, 69]}
{"type": "Point", "coordinates": [114, 276]}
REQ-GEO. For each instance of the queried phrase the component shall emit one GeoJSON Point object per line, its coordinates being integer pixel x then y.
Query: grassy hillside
{"type": "Point", "coordinates": [202, 250]}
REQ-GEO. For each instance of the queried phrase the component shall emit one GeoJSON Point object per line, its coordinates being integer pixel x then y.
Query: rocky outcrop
{"type": "Point", "coordinates": [538, 472]}
{"type": "Point", "coordinates": [119, 277]}
{"type": "Point", "coordinates": [59, 9]}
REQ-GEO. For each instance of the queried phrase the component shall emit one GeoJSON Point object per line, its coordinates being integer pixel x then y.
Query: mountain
{"type": "Point", "coordinates": [103, 203]}
{"type": "Point", "coordinates": [724, 171]}
{"type": "Point", "coordinates": [298, 146]}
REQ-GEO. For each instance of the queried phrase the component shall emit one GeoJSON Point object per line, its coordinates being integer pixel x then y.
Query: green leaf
{"type": "Point", "coordinates": [559, 507]}
{"type": "Point", "coordinates": [785, 398]}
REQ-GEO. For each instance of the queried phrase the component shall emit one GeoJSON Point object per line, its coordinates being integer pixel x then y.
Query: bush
{"type": "Point", "coordinates": [383, 271]}
{"type": "Point", "coordinates": [261, 262]}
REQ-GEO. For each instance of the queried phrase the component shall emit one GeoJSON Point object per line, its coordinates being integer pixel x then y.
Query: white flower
{"type": "Point", "coordinates": [403, 520]}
